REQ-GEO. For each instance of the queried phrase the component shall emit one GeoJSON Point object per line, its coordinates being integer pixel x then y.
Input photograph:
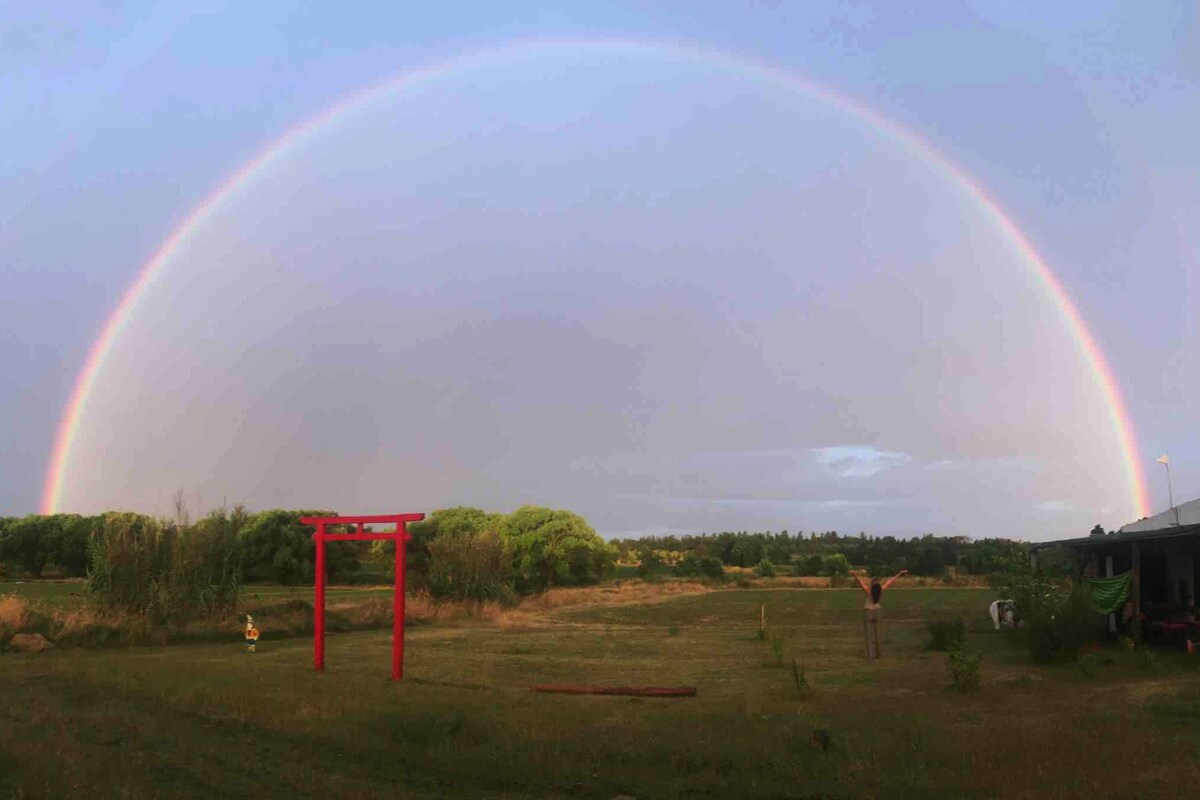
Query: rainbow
{"type": "Point", "coordinates": [289, 142]}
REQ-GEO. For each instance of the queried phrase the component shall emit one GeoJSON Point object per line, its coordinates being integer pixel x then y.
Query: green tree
{"type": "Point", "coordinates": [812, 565]}
{"type": "Point", "coordinates": [278, 547]}
{"type": "Point", "coordinates": [688, 566]}
{"type": "Point", "coordinates": [836, 565]}
{"type": "Point", "coordinates": [932, 561]}
{"type": "Point", "coordinates": [28, 541]}
{"type": "Point", "coordinates": [554, 547]}
{"type": "Point", "coordinates": [448, 522]}
{"type": "Point", "coordinates": [650, 564]}
{"type": "Point", "coordinates": [69, 547]}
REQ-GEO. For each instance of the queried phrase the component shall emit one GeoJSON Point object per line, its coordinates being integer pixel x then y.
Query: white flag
{"type": "Point", "coordinates": [1163, 460]}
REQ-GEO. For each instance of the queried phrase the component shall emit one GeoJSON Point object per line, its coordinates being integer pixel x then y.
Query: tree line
{"type": "Point", "coordinates": [821, 553]}
{"type": "Point", "coordinates": [141, 562]}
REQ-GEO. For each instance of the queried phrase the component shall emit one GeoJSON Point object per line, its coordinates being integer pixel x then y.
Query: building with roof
{"type": "Point", "coordinates": [1163, 554]}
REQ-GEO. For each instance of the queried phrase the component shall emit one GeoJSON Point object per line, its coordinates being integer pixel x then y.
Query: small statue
{"type": "Point", "coordinates": [251, 634]}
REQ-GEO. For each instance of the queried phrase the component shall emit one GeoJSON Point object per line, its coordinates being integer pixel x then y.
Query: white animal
{"type": "Point", "coordinates": [1003, 614]}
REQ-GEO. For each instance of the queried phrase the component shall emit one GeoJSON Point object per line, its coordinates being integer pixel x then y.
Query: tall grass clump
{"type": "Point", "coordinates": [170, 572]}
{"type": "Point", "coordinates": [13, 614]}
{"type": "Point", "coordinates": [798, 678]}
{"type": "Point", "coordinates": [776, 641]}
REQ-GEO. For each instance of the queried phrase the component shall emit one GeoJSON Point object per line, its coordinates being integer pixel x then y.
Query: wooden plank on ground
{"type": "Point", "coordinates": [630, 691]}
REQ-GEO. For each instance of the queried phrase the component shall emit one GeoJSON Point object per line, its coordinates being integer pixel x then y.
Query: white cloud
{"type": "Point", "coordinates": [858, 461]}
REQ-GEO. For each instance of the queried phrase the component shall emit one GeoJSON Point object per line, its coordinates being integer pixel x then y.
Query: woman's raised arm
{"type": "Point", "coordinates": [861, 584]}
{"type": "Point", "coordinates": [892, 579]}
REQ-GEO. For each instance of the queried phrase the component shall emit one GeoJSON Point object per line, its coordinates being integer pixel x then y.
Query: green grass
{"type": "Point", "coordinates": [213, 721]}
{"type": "Point", "coordinates": [56, 593]}
{"type": "Point", "coordinates": [45, 592]}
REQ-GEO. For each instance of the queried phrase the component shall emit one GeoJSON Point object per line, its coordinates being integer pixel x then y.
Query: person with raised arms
{"type": "Point", "coordinates": [874, 592]}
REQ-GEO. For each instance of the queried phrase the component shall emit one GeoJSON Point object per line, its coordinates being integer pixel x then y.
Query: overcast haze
{"type": "Point", "coordinates": [641, 285]}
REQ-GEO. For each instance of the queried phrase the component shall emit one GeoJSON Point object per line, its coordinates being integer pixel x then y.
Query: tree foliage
{"type": "Point", "coordinates": [552, 547]}
{"type": "Point", "coordinates": [278, 547]}
{"type": "Point", "coordinates": [470, 565]}
{"type": "Point", "coordinates": [447, 522]}
{"type": "Point", "coordinates": [31, 544]}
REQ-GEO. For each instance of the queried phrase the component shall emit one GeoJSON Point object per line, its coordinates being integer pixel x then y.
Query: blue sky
{"type": "Point", "coordinates": [1080, 119]}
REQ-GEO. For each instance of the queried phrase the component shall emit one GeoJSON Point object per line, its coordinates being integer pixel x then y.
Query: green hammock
{"type": "Point", "coordinates": [1108, 594]}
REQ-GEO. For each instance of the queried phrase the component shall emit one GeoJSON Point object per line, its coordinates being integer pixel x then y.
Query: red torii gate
{"type": "Point", "coordinates": [401, 537]}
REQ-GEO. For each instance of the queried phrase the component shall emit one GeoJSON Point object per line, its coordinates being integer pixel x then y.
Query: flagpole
{"type": "Point", "coordinates": [1166, 462]}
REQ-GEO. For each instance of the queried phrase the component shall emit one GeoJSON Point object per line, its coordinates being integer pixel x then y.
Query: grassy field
{"type": "Point", "coordinates": [213, 721]}
{"type": "Point", "coordinates": [55, 593]}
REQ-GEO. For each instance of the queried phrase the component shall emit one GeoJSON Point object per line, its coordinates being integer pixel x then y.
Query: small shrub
{"type": "Point", "coordinates": [963, 664]}
{"type": "Point", "coordinates": [1145, 658]}
{"type": "Point", "coordinates": [1087, 664]}
{"type": "Point", "coordinates": [764, 569]}
{"type": "Point", "coordinates": [775, 642]}
{"type": "Point", "coordinates": [798, 678]}
{"type": "Point", "coordinates": [741, 581]}
{"type": "Point", "coordinates": [712, 567]}
{"type": "Point", "coordinates": [674, 629]}
{"type": "Point", "coordinates": [946, 634]}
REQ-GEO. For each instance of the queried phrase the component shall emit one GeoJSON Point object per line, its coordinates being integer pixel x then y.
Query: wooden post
{"type": "Point", "coordinates": [1136, 589]}
{"type": "Point", "coordinates": [1108, 573]}
{"type": "Point", "coordinates": [762, 618]}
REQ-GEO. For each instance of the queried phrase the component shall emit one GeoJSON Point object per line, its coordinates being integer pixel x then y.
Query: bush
{"type": "Point", "coordinates": [444, 521]}
{"type": "Point", "coordinates": [470, 566]}
{"type": "Point", "coordinates": [946, 634]}
{"type": "Point", "coordinates": [764, 569]}
{"type": "Point", "coordinates": [963, 664]}
{"type": "Point", "coordinates": [711, 568]}
{"type": "Point", "coordinates": [812, 565]}
{"type": "Point", "coordinates": [1053, 607]}
{"type": "Point", "coordinates": [688, 566]}
{"type": "Point", "coordinates": [650, 565]}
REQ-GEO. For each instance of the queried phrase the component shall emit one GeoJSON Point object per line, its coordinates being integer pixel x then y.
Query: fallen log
{"type": "Point", "coordinates": [630, 691]}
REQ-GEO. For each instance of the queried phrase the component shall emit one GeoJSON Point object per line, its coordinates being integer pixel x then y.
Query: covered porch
{"type": "Point", "coordinates": [1165, 568]}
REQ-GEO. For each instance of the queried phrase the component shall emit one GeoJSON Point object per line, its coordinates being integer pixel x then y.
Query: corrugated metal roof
{"type": "Point", "coordinates": [1168, 532]}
